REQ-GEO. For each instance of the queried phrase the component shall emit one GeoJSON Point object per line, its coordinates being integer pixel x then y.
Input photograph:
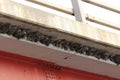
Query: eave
{"type": "Point", "coordinates": [46, 24]}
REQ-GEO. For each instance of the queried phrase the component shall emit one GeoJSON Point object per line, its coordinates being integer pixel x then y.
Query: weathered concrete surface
{"type": "Point", "coordinates": [39, 17]}
{"type": "Point", "coordinates": [61, 28]}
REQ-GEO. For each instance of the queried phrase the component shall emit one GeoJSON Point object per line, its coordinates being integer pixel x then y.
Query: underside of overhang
{"type": "Point", "coordinates": [39, 37]}
{"type": "Point", "coordinates": [59, 39]}
{"type": "Point", "coordinates": [59, 47]}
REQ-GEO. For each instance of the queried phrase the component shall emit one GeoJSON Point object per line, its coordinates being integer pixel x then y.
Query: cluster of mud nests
{"type": "Point", "coordinates": [36, 36]}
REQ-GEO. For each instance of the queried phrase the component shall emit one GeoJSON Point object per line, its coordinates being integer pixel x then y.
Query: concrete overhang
{"type": "Point", "coordinates": [46, 24]}
{"type": "Point", "coordinates": [56, 55]}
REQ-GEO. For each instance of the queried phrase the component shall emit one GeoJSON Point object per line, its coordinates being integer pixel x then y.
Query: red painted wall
{"type": "Point", "coordinates": [15, 67]}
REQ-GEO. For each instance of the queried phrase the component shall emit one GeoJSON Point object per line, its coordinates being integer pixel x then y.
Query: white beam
{"type": "Point", "coordinates": [53, 6]}
{"type": "Point", "coordinates": [103, 5]}
{"type": "Point", "coordinates": [102, 22]}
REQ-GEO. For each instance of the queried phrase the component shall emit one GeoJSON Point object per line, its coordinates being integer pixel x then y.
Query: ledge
{"type": "Point", "coordinates": [19, 32]}
{"type": "Point", "coordinates": [57, 27]}
{"type": "Point", "coordinates": [58, 56]}
{"type": "Point", "coordinates": [39, 17]}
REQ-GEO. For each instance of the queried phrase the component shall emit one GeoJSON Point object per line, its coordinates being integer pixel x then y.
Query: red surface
{"type": "Point", "coordinates": [15, 67]}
